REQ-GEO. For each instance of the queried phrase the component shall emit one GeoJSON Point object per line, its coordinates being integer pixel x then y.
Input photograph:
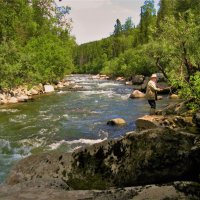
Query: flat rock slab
{"type": "Point", "coordinates": [148, 192]}
{"type": "Point", "coordinates": [154, 121]}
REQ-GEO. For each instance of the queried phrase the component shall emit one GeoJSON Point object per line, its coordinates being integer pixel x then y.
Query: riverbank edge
{"type": "Point", "coordinates": [24, 93]}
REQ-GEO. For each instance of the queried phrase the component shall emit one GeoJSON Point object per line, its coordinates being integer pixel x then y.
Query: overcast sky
{"type": "Point", "coordinates": [95, 19]}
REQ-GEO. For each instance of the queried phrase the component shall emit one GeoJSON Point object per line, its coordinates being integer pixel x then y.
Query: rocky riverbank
{"type": "Point", "coordinates": [24, 93]}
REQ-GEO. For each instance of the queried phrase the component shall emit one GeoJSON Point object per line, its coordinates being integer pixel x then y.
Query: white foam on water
{"type": "Point", "coordinates": [43, 111]}
{"type": "Point", "coordinates": [66, 116]}
{"type": "Point", "coordinates": [108, 84]}
{"type": "Point", "coordinates": [9, 110]}
{"type": "Point", "coordinates": [92, 92]}
{"type": "Point", "coordinates": [96, 112]}
{"type": "Point", "coordinates": [13, 153]}
{"type": "Point", "coordinates": [62, 92]}
{"type": "Point", "coordinates": [28, 144]}
{"type": "Point", "coordinates": [80, 141]}
{"type": "Point", "coordinates": [125, 97]}
{"type": "Point", "coordinates": [4, 144]}
{"type": "Point", "coordinates": [27, 127]}
{"type": "Point", "coordinates": [18, 118]}
{"type": "Point", "coordinates": [43, 131]}
{"type": "Point", "coordinates": [105, 93]}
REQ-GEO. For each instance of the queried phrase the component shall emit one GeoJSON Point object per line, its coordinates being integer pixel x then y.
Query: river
{"type": "Point", "coordinates": [66, 120]}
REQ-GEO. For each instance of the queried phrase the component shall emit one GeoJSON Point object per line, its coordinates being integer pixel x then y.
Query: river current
{"type": "Point", "coordinates": [67, 120]}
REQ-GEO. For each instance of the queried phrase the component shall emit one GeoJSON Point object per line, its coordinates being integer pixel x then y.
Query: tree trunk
{"type": "Point", "coordinates": [161, 68]}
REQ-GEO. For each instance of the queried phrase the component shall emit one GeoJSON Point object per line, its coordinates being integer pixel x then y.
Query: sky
{"type": "Point", "coordinates": [95, 19]}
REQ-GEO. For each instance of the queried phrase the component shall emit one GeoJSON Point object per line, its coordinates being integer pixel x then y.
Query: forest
{"type": "Point", "coordinates": [36, 45]}
{"type": "Point", "coordinates": [35, 42]}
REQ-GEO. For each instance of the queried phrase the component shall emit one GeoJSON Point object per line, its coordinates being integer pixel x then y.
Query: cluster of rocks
{"type": "Point", "coordinates": [24, 93]}
{"type": "Point", "coordinates": [20, 94]}
{"type": "Point", "coordinates": [139, 82]}
{"type": "Point", "coordinates": [101, 77]}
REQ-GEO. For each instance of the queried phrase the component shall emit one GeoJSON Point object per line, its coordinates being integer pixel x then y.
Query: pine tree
{"type": "Point", "coordinates": [118, 28]}
{"type": "Point", "coordinates": [128, 25]}
{"type": "Point", "coordinates": [148, 18]}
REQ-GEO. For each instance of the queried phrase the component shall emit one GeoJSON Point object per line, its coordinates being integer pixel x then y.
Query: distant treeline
{"type": "Point", "coordinates": [167, 41]}
{"type": "Point", "coordinates": [35, 44]}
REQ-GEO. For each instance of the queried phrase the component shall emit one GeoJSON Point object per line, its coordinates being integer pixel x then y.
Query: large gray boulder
{"type": "Point", "coordinates": [139, 158]}
{"type": "Point", "coordinates": [138, 79]}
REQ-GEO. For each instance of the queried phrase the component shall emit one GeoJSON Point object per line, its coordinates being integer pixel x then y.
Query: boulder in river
{"type": "Point", "coordinates": [137, 94]}
{"type": "Point", "coordinates": [48, 88]}
{"type": "Point", "coordinates": [174, 96]}
{"type": "Point", "coordinates": [120, 78]}
{"type": "Point", "coordinates": [138, 79]}
{"type": "Point", "coordinates": [159, 97]}
{"type": "Point", "coordinates": [116, 121]}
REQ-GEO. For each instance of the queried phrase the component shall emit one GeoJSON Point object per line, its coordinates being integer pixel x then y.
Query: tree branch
{"type": "Point", "coordinates": [161, 68]}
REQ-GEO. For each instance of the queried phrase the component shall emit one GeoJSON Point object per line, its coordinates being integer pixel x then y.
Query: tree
{"type": "Point", "coordinates": [128, 25]}
{"type": "Point", "coordinates": [167, 8]}
{"type": "Point", "coordinates": [147, 21]}
{"type": "Point", "coordinates": [118, 28]}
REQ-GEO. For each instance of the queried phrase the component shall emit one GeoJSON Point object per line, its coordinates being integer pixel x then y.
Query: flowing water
{"type": "Point", "coordinates": [66, 120]}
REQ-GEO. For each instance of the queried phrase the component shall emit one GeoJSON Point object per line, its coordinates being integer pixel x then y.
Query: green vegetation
{"type": "Point", "coordinates": [167, 42]}
{"type": "Point", "coordinates": [35, 45]}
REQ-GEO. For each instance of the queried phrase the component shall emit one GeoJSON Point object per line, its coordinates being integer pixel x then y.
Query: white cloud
{"type": "Point", "coordinates": [95, 19]}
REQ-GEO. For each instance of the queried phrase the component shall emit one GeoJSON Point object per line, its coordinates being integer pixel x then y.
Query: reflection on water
{"type": "Point", "coordinates": [67, 120]}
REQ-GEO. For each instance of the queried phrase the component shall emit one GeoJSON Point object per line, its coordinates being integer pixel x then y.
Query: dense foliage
{"type": "Point", "coordinates": [35, 45]}
{"type": "Point", "coordinates": [168, 42]}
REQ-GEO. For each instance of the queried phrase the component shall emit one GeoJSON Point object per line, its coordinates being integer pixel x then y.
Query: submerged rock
{"type": "Point", "coordinates": [138, 79]}
{"type": "Point", "coordinates": [137, 94]}
{"type": "Point", "coordinates": [174, 96]}
{"type": "Point", "coordinates": [117, 121]}
{"type": "Point", "coordinates": [120, 78]}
